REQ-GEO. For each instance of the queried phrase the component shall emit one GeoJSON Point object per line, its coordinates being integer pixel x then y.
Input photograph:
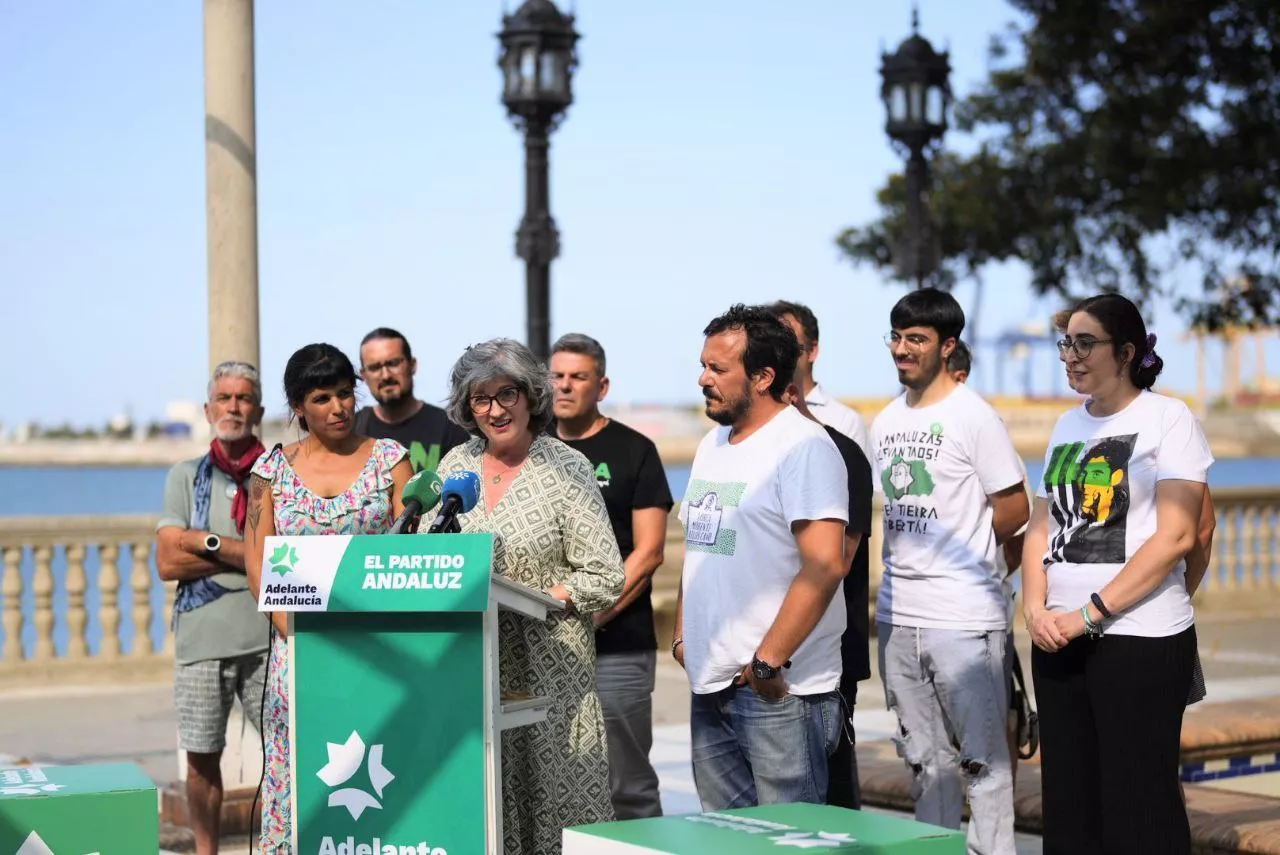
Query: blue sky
{"type": "Point", "coordinates": [713, 152]}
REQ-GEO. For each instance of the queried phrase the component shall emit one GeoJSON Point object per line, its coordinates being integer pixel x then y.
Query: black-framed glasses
{"type": "Point", "coordinates": [506, 398]}
{"type": "Point", "coordinates": [1081, 346]}
{"type": "Point", "coordinates": [914, 341]}
{"type": "Point", "coordinates": [390, 365]}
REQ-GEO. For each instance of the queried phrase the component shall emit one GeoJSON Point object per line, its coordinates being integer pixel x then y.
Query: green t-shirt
{"type": "Point", "coordinates": [230, 625]}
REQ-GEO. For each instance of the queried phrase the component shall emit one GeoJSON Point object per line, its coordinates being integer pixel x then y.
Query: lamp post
{"type": "Point", "coordinates": [917, 96]}
{"type": "Point", "coordinates": [537, 61]}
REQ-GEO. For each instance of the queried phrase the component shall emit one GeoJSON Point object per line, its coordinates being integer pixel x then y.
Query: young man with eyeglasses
{"type": "Point", "coordinates": [387, 367]}
{"type": "Point", "coordinates": [952, 486]}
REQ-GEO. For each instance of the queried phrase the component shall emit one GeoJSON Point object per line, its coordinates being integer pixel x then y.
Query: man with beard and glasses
{"type": "Point", "coordinates": [952, 485]}
{"type": "Point", "coordinates": [758, 622]}
{"type": "Point", "coordinates": [220, 638]}
{"type": "Point", "coordinates": [638, 499]}
{"type": "Point", "coordinates": [387, 367]}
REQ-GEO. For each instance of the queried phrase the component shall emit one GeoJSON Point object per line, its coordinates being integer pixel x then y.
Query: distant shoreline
{"type": "Point", "coordinates": [125, 454]}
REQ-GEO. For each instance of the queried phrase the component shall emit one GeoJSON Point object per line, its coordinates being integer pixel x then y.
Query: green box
{"type": "Point", "coordinates": [109, 809]}
{"type": "Point", "coordinates": [775, 829]}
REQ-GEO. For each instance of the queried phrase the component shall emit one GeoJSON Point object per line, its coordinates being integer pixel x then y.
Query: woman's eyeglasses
{"type": "Point", "coordinates": [506, 398]}
{"type": "Point", "coordinates": [1081, 346]}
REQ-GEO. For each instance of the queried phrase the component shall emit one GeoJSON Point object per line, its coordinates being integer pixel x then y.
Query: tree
{"type": "Point", "coordinates": [1124, 128]}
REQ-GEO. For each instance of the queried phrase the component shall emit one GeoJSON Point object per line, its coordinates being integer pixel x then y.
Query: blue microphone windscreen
{"type": "Point", "coordinates": [466, 486]}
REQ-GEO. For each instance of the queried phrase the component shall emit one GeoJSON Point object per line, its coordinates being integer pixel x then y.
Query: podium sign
{"type": "Point", "coordinates": [387, 687]}
{"type": "Point", "coordinates": [775, 829]}
{"type": "Point", "coordinates": [105, 809]}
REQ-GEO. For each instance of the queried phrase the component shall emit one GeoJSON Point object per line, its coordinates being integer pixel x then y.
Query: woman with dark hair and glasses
{"type": "Point", "coordinates": [331, 481]}
{"type": "Point", "coordinates": [1105, 595]}
{"type": "Point", "coordinates": [552, 533]}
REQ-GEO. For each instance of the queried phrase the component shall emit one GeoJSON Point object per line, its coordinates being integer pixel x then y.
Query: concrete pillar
{"type": "Point", "coordinates": [232, 182]}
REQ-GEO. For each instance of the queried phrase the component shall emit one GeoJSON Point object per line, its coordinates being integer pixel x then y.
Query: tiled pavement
{"type": "Point", "coordinates": [136, 723]}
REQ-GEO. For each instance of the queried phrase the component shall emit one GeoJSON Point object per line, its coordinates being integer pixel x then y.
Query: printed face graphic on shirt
{"type": "Point", "coordinates": [1088, 486]}
{"type": "Point", "coordinates": [704, 529]}
{"type": "Point", "coordinates": [906, 478]}
{"type": "Point", "coordinates": [1098, 486]}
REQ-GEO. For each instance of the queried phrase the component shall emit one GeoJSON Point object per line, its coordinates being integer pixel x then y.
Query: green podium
{"type": "Point", "coordinates": [773, 829]}
{"type": "Point", "coordinates": [395, 714]}
{"type": "Point", "coordinates": [105, 809]}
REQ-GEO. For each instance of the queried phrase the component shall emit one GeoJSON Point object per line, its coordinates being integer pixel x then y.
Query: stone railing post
{"type": "Point", "coordinates": [77, 617]}
{"type": "Point", "coordinates": [42, 585]}
{"type": "Point", "coordinates": [140, 580]}
{"type": "Point", "coordinates": [11, 591]}
{"type": "Point", "coordinates": [109, 588]}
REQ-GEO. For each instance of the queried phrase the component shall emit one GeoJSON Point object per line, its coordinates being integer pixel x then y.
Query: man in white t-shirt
{"type": "Point", "coordinates": [952, 485]}
{"type": "Point", "coordinates": [825, 408]}
{"type": "Point", "coordinates": [757, 623]}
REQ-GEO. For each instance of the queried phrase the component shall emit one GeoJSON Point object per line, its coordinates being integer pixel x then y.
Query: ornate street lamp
{"type": "Point", "coordinates": [917, 98]}
{"type": "Point", "coordinates": [537, 61]}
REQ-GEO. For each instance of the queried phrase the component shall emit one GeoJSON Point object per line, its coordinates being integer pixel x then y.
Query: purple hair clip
{"type": "Point", "coordinates": [1150, 358]}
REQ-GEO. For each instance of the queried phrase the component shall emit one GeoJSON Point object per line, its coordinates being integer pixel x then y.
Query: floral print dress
{"type": "Point", "coordinates": [550, 527]}
{"type": "Point", "coordinates": [364, 508]}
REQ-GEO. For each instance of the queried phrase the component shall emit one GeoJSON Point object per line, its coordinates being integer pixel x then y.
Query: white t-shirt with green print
{"type": "Point", "coordinates": [741, 556]}
{"type": "Point", "coordinates": [935, 467]}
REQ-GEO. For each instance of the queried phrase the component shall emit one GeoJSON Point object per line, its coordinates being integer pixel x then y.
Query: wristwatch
{"type": "Point", "coordinates": [212, 544]}
{"type": "Point", "coordinates": [762, 670]}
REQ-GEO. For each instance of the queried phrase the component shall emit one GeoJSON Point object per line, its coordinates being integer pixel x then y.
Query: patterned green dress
{"type": "Point", "coordinates": [550, 527]}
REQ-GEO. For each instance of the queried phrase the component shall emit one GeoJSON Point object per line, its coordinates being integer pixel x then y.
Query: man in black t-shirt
{"type": "Point", "coordinates": [855, 659]}
{"type": "Point", "coordinates": [638, 499]}
{"type": "Point", "coordinates": [387, 367]}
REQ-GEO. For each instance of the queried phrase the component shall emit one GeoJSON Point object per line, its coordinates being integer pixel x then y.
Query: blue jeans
{"type": "Point", "coordinates": [748, 751]}
{"type": "Point", "coordinates": [950, 692]}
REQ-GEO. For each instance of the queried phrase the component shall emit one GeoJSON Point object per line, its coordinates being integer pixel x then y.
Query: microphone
{"type": "Point", "coordinates": [460, 494]}
{"type": "Point", "coordinates": [421, 493]}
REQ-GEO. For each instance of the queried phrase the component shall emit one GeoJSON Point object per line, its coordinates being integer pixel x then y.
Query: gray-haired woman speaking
{"type": "Point", "coordinates": [552, 533]}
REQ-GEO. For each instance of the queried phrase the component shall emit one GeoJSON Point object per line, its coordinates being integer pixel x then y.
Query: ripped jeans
{"type": "Point", "coordinates": [950, 694]}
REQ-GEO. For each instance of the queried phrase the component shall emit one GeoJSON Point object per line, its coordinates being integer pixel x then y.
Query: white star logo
{"type": "Point", "coordinates": [344, 762]}
{"type": "Point", "coordinates": [812, 840]}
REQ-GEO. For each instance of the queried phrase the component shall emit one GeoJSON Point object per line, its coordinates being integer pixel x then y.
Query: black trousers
{"type": "Point", "coordinates": [1110, 721]}
{"type": "Point", "coordinates": [843, 788]}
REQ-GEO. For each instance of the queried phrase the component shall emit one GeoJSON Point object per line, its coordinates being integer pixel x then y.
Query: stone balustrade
{"type": "Point", "coordinates": [80, 600]}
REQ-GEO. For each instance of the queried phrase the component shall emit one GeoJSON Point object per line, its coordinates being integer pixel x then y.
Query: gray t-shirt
{"type": "Point", "coordinates": [230, 625]}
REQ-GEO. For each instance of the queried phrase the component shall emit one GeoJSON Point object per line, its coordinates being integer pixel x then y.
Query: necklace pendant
{"type": "Point", "coordinates": [497, 479]}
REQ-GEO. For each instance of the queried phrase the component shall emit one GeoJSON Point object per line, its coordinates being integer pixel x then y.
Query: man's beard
{"type": "Point", "coordinates": [926, 371]}
{"type": "Point", "coordinates": [225, 432]}
{"type": "Point", "coordinates": [397, 394]}
{"type": "Point", "coordinates": [731, 412]}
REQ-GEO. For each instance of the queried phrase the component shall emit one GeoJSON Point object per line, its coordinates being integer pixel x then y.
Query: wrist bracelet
{"type": "Point", "coordinates": [1090, 626]}
{"type": "Point", "coordinates": [1096, 599]}
{"type": "Point", "coordinates": [676, 643]}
